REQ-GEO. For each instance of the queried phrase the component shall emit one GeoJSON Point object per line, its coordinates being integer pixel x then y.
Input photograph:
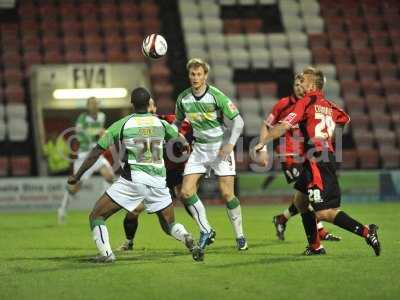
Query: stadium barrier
{"type": "Point", "coordinates": [45, 193]}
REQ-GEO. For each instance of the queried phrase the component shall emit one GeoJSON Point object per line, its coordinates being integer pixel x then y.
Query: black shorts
{"type": "Point", "coordinates": [174, 178]}
{"type": "Point", "coordinates": [292, 171]}
{"type": "Point", "coordinates": [319, 181]}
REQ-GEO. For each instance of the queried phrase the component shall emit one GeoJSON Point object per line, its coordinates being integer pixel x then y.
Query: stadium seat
{"type": "Point", "coordinates": [359, 120]}
{"type": "Point", "coordinates": [4, 166]}
{"type": "Point", "coordinates": [297, 39]}
{"type": "Point", "coordinates": [20, 165]}
{"type": "Point", "coordinates": [239, 58]}
{"type": "Point", "coordinates": [329, 71]}
{"type": "Point", "coordinates": [17, 130]}
{"type": "Point", "coordinates": [246, 90]}
{"type": "Point", "coordinates": [14, 93]}
{"type": "Point", "coordinates": [375, 103]}
{"type": "Point", "coordinates": [250, 106]}
{"type": "Point", "coordinates": [346, 71]}
{"type": "Point", "coordinates": [342, 55]}
{"type": "Point", "coordinates": [3, 130]}
{"type": "Point", "coordinates": [385, 138]}
{"type": "Point", "coordinates": [266, 89]}
{"type": "Point", "coordinates": [387, 71]}
{"type": "Point", "coordinates": [355, 104]}
{"type": "Point", "coordinates": [390, 158]}
{"type": "Point", "coordinates": [393, 101]}
{"type": "Point", "coordinates": [380, 120]}
{"type": "Point", "coordinates": [371, 87]}
{"type": "Point", "coordinates": [363, 139]}
{"type": "Point", "coordinates": [391, 86]}
{"type": "Point", "coordinates": [260, 58]}
{"type": "Point", "coordinates": [369, 158]}
{"type": "Point", "coordinates": [252, 124]}
{"type": "Point", "coordinates": [280, 58]}
{"type": "Point", "coordinates": [350, 88]}
{"type": "Point", "coordinates": [349, 159]}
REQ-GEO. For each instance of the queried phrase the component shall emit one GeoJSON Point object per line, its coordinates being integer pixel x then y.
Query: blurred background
{"type": "Point", "coordinates": [254, 48]}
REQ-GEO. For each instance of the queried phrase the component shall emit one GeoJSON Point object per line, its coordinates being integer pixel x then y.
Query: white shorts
{"type": "Point", "coordinates": [129, 195]}
{"type": "Point", "coordinates": [101, 162]}
{"type": "Point", "coordinates": [205, 157]}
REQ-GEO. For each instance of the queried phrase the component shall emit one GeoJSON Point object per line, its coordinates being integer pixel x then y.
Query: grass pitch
{"type": "Point", "coordinates": [41, 260]}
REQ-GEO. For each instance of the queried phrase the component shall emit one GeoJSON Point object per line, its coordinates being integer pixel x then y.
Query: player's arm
{"type": "Point", "coordinates": [291, 120]}
{"type": "Point", "coordinates": [179, 113]}
{"type": "Point", "coordinates": [171, 132]}
{"type": "Point", "coordinates": [90, 160]}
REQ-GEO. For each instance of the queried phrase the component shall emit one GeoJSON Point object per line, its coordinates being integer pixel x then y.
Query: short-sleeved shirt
{"type": "Point", "coordinates": [142, 137]}
{"type": "Point", "coordinates": [317, 118]}
{"type": "Point", "coordinates": [294, 141]}
{"type": "Point", "coordinates": [89, 129]}
{"type": "Point", "coordinates": [206, 113]}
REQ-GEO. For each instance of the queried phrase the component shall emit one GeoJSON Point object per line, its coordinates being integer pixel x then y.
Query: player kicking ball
{"type": "Point", "coordinates": [318, 183]}
{"type": "Point", "coordinates": [141, 136]}
{"type": "Point", "coordinates": [204, 106]}
{"type": "Point", "coordinates": [89, 127]}
{"type": "Point", "coordinates": [292, 151]}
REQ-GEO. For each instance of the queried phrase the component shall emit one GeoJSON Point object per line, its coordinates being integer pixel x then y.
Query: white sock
{"type": "Point", "coordinates": [235, 216]}
{"type": "Point", "coordinates": [198, 211]}
{"type": "Point", "coordinates": [320, 225]}
{"type": "Point", "coordinates": [178, 231]}
{"type": "Point", "coordinates": [100, 237]}
{"type": "Point", "coordinates": [287, 214]}
{"type": "Point", "coordinates": [64, 202]}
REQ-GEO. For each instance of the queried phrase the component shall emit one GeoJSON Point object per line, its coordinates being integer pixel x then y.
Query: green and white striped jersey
{"type": "Point", "coordinates": [206, 113]}
{"type": "Point", "coordinates": [142, 135]}
{"type": "Point", "coordinates": [89, 129]}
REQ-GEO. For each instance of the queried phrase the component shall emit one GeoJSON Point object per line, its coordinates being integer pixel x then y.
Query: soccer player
{"type": "Point", "coordinates": [291, 151]}
{"type": "Point", "coordinates": [143, 175]}
{"type": "Point", "coordinates": [205, 106]}
{"type": "Point", "coordinates": [318, 183]}
{"type": "Point", "coordinates": [174, 177]}
{"type": "Point", "coordinates": [89, 127]}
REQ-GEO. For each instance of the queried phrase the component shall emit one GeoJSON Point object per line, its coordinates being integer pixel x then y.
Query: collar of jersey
{"type": "Point", "coordinates": [143, 113]}
{"type": "Point", "coordinates": [199, 97]}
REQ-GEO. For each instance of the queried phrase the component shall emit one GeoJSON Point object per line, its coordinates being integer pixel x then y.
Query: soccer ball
{"type": "Point", "coordinates": [261, 157]}
{"type": "Point", "coordinates": [154, 46]}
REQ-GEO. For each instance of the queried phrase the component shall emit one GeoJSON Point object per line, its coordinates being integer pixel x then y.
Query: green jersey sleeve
{"type": "Point", "coordinates": [112, 134]}
{"type": "Point", "coordinates": [226, 105]}
{"type": "Point", "coordinates": [179, 111]}
{"type": "Point", "coordinates": [171, 131]}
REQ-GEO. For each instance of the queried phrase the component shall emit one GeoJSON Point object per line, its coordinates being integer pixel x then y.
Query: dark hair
{"type": "Point", "coordinates": [140, 99]}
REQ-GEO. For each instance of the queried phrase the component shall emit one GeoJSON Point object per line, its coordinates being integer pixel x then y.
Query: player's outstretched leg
{"type": "Point", "coordinates": [167, 221]}
{"type": "Point", "coordinates": [343, 220]}
{"type": "Point", "coordinates": [102, 210]}
{"type": "Point", "coordinates": [131, 223]}
{"type": "Point", "coordinates": [325, 235]}
{"type": "Point", "coordinates": [226, 186]}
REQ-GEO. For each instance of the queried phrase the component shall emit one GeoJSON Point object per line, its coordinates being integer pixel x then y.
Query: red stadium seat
{"type": "Point", "coordinates": [253, 25]}
{"type": "Point", "coordinates": [321, 55]}
{"type": "Point", "coordinates": [31, 58]}
{"type": "Point", "coordinates": [88, 9]}
{"type": "Point", "coordinates": [369, 158]}
{"type": "Point", "coordinates": [380, 120]}
{"type": "Point", "coordinates": [94, 55]}
{"type": "Point", "coordinates": [363, 56]}
{"type": "Point", "coordinates": [349, 159]}
{"type": "Point", "coordinates": [92, 41]}
{"type": "Point", "coordinates": [20, 165]}
{"type": "Point", "coordinates": [52, 56]}
{"type": "Point", "coordinates": [14, 93]}
{"type": "Point", "coordinates": [385, 138]}
{"type": "Point", "coordinates": [267, 89]}
{"type": "Point", "coordinates": [363, 139]}
{"type": "Point", "coordinates": [375, 23]}
{"type": "Point", "coordinates": [67, 9]}
{"type": "Point", "coordinates": [375, 103]}
{"type": "Point", "coordinates": [342, 55]}
{"type": "Point", "coordinates": [162, 90]}
{"type": "Point", "coordinates": [74, 56]}
{"type": "Point", "coordinates": [233, 26]}
{"type": "Point", "coordinates": [338, 40]}
{"type": "Point", "coordinates": [383, 54]}
{"type": "Point", "coordinates": [350, 88]}
{"type": "Point", "coordinates": [360, 121]}
{"type": "Point", "coordinates": [388, 70]}
{"type": "Point", "coordinates": [108, 10]}
{"type": "Point", "coordinates": [379, 38]}
{"type": "Point", "coordinates": [346, 71]}
{"type": "Point", "coordinates": [391, 86]}
{"type": "Point", "coordinates": [135, 54]}
{"type": "Point", "coordinates": [12, 74]}
{"type": "Point", "coordinates": [355, 23]}
{"type": "Point", "coordinates": [358, 39]}
{"type": "Point", "coordinates": [115, 54]}
{"type": "Point", "coordinates": [371, 87]}
{"type": "Point", "coordinates": [246, 90]}
{"type": "Point", "coordinates": [4, 166]}
{"type": "Point", "coordinates": [132, 26]}
{"type": "Point", "coordinates": [71, 27]}
{"type": "Point", "coordinates": [393, 102]}
{"type": "Point", "coordinates": [334, 24]}
{"type": "Point", "coordinates": [159, 72]}
{"type": "Point", "coordinates": [149, 10]}
{"type": "Point", "coordinates": [355, 104]}
{"type": "Point", "coordinates": [318, 40]}
{"type": "Point", "coordinates": [129, 10]}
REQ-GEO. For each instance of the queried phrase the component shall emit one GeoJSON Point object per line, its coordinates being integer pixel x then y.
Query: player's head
{"type": "Point", "coordinates": [198, 72]}
{"type": "Point", "coordinates": [140, 99]}
{"type": "Point", "coordinates": [92, 105]}
{"type": "Point", "coordinates": [297, 87]}
{"type": "Point", "coordinates": [312, 79]}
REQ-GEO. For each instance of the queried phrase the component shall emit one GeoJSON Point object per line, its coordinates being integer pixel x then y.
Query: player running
{"type": "Point", "coordinates": [317, 117]}
{"type": "Point", "coordinates": [205, 107]}
{"type": "Point", "coordinates": [141, 135]}
{"type": "Point", "coordinates": [89, 127]}
{"type": "Point", "coordinates": [291, 152]}
{"type": "Point", "coordinates": [174, 177]}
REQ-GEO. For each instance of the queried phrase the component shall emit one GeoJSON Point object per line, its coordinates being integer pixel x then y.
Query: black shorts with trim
{"type": "Point", "coordinates": [330, 195]}
{"type": "Point", "coordinates": [174, 178]}
{"type": "Point", "coordinates": [292, 171]}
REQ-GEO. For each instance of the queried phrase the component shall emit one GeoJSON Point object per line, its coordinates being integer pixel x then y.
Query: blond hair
{"type": "Point", "coordinates": [196, 63]}
{"type": "Point", "coordinates": [318, 76]}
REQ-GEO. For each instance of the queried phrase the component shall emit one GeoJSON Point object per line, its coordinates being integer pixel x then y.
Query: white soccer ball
{"type": "Point", "coordinates": [154, 46]}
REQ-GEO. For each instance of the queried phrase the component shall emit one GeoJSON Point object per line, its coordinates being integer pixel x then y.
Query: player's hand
{"type": "Point", "coordinates": [72, 180]}
{"type": "Point", "coordinates": [225, 151]}
{"type": "Point", "coordinates": [259, 147]}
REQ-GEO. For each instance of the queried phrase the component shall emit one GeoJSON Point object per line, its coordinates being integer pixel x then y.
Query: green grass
{"type": "Point", "coordinates": [40, 260]}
